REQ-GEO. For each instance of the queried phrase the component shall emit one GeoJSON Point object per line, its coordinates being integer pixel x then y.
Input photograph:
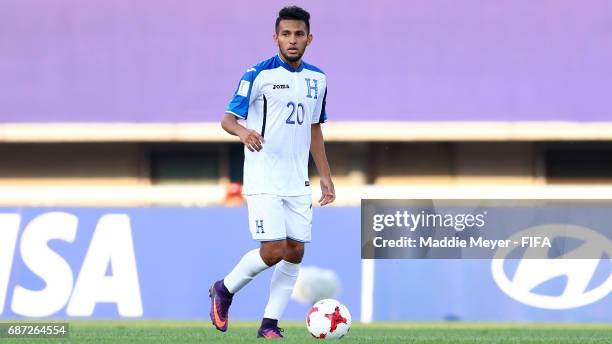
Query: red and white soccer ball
{"type": "Point", "coordinates": [328, 319]}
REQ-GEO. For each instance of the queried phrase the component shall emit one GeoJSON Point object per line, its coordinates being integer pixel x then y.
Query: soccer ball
{"type": "Point", "coordinates": [328, 319]}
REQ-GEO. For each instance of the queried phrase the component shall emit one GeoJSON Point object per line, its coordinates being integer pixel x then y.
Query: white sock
{"type": "Point", "coordinates": [281, 287]}
{"type": "Point", "coordinates": [247, 268]}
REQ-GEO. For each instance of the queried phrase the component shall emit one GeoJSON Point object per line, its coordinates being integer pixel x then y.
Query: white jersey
{"type": "Point", "coordinates": [280, 103]}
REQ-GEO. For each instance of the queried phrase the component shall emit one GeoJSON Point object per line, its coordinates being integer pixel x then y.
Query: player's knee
{"type": "Point", "coordinates": [294, 253]}
{"type": "Point", "coordinates": [272, 253]}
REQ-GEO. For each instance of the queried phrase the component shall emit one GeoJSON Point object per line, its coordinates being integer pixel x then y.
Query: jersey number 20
{"type": "Point", "coordinates": [295, 110]}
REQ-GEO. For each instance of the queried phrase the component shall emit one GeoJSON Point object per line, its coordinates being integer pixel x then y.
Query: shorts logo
{"type": "Point", "coordinates": [278, 87]}
{"type": "Point", "coordinates": [259, 225]}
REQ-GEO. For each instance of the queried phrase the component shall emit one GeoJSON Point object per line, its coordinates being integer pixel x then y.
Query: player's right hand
{"type": "Point", "coordinates": [252, 140]}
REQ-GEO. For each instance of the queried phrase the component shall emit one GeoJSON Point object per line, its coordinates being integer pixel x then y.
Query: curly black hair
{"type": "Point", "coordinates": [294, 13]}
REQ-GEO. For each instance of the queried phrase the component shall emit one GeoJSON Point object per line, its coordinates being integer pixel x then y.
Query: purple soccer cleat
{"type": "Point", "coordinates": [270, 333]}
{"type": "Point", "coordinates": [220, 301]}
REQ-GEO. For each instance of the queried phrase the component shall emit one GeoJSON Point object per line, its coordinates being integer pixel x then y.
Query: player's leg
{"type": "Point", "coordinates": [273, 252]}
{"type": "Point", "coordinates": [281, 286]}
{"type": "Point", "coordinates": [298, 220]}
{"type": "Point", "coordinates": [267, 225]}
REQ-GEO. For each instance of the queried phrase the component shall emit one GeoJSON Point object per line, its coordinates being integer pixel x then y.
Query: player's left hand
{"type": "Point", "coordinates": [328, 193]}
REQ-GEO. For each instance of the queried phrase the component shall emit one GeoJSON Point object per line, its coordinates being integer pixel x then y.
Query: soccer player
{"type": "Point", "coordinates": [282, 100]}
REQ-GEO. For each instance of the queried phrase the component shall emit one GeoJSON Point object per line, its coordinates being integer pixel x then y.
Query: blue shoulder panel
{"type": "Point", "coordinates": [239, 104]}
{"type": "Point", "coordinates": [312, 67]}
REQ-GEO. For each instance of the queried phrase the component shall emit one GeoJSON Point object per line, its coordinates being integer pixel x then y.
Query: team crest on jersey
{"type": "Point", "coordinates": [313, 88]}
{"type": "Point", "coordinates": [280, 86]}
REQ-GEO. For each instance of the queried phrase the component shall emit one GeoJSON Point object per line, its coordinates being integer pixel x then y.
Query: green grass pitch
{"type": "Point", "coordinates": [244, 332]}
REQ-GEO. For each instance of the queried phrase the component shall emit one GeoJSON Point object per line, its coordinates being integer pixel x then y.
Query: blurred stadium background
{"type": "Point", "coordinates": [112, 108]}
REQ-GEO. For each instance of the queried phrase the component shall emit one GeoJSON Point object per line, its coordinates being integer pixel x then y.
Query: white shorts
{"type": "Point", "coordinates": [274, 217]}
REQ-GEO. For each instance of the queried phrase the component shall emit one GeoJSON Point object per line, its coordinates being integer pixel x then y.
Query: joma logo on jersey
{"type": "Point", "coordinates": [278, 87]}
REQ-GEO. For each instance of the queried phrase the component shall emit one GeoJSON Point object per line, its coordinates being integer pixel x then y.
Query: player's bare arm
{"type": "Point", "coordinates": [317, 149]}
{"type": "Point", "coordinates": [251, 138]}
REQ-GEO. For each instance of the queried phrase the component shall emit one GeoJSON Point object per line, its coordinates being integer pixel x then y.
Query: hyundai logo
{"type": "Point", "coordinates": [535, 268]}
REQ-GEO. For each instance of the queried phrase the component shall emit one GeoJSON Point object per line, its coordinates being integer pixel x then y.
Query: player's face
{"type": "Point", "coordinates": [292, 39]}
